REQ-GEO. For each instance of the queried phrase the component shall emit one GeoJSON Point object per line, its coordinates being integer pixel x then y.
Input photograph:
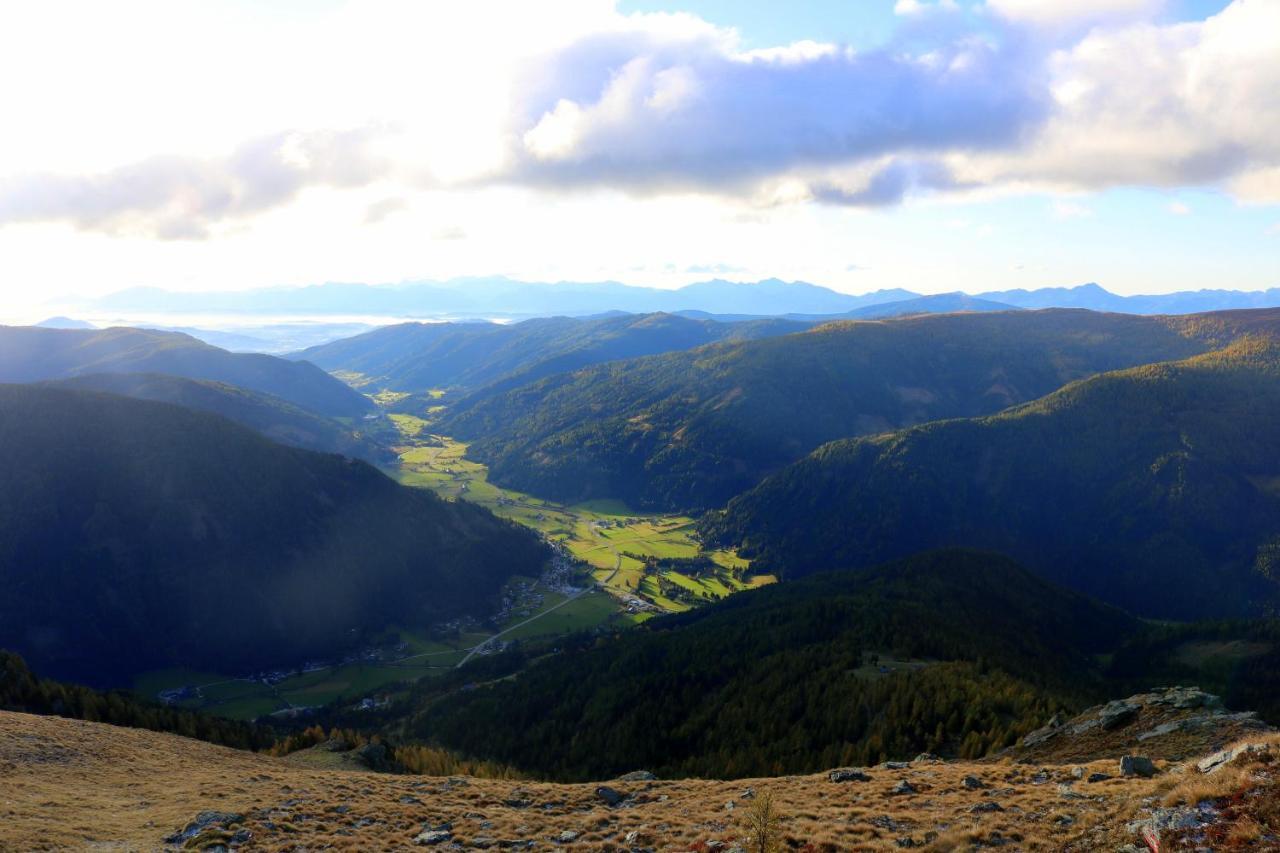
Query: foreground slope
{"type": "Point", "coordinates": [135, 535]}
{"type": "Point", "coordinates": [72, 785]}
{"type": "Point", "coordinates": [31, 354]}
{"type": "Point", "coordinates": [417, 357]}
{"type": "Point", "coordinates": [1153, 488]}
{"type": "Point", "coordinates": [276, 418]}
{"type": "Point", "coordinates": [689, 430]}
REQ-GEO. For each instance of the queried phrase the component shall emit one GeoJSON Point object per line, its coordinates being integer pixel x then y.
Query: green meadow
{"type": "Point", "coordinates": [606, 535]}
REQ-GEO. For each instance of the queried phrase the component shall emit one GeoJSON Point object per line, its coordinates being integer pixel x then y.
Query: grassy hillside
{"type": "Point", "coordinates": [689, 430]}
{"type": "Point", "coordinates": [272, 416]}
{"type": "Point", "coordinates": [136, 535]}
{"type": "Point", "coordinates": [1155, 488]}
{"type": "Point", "coordinates": [954, 652]}
{"type": "Point", "coordinates": [31, 354]}
{"type": "Point", "coordinates": [417, 357]}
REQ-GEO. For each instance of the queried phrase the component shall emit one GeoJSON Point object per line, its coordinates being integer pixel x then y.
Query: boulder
{"type": "Point", "coordinates": [848, 774]}
{"type": "Point", "coordinates": [638, 776]}
{"type": "Point", "coordinates": [1221, 759]}
{"type": "Point", "coordinates": [204, 820]}
{"type": "Point", "coordinates": [1137, 765]}
{"type": "Point", "coordinates": [431, 837]}
{"type": "Point", "coordinates": [903, 787]}
{"type": "Point", "coordinates": [610, 796]}
{"type": "Point", "coordinates": [1115, 714]}
{"type": "Point", "coordinates": [972, 783]}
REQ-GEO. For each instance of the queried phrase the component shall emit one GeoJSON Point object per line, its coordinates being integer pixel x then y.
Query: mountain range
{"type": "Point", "coordinates": [504, 297]}
{"type": "Point", "coordinates": [688, 430]}
{"type": "Point", "coordinates": [418, 357]}
{"type": "Point", "coordinates": [1153, 488]}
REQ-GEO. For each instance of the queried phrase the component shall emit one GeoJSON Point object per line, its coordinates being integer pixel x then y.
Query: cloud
{"type": "Point", "coordinates": [182, 198]}
{"type": "Point", "coordinates": [1057, 96]}
{"type": "Point", "coordinates": [889, 185]}
{"type": "Point", "coordinates": [1159, 105]}
{"type": "Point", "coordinates": [380, 210]}
{"type": "Point", "coordinates": [1178, 208]}
{"type": "Point", "coordinates": [649, 112]}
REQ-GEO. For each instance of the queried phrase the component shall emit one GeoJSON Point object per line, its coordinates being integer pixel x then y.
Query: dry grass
{"type": "Point", "coordinates": [70, 785]}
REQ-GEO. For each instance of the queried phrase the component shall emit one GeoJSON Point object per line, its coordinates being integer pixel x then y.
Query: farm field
{"type": "Point", "coordinates": [627, 551]}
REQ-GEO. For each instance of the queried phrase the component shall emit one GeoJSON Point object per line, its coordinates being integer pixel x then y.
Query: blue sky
{"type": "Point", "coordinates": [937, 145]}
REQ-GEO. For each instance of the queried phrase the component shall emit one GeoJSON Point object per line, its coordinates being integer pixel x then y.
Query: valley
{"type": "Point", "coordinates": [631, 555]}
{"type": "Point", "coordinates": [610, 567]}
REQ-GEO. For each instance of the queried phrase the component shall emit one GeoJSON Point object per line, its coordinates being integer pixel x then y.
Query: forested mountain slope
{"type": "Point", "coordinates": [416, 357]}
{"type": "Point", "coordinates": [277, 419]}
{"type": "Point", "coordinates": [780, 680]}
{"type": "Point", "coordinates": [135, 535]}
{"type": "Point", "coordinates": [32, 354]}
{"type": "Point", "coordinates": [1155, 488]}
{"type": "Point", "coordinates": [688, 430]}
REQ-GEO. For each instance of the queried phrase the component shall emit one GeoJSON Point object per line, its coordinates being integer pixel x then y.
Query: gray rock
{"type": "Point", "coordinates": [567, 837]}
{"type": "Point", "coordinates": [204, 820]}
{"type": "Point", "coordinates": [894, 765]}
{"type": "Point", "coordinates": [1116, 714]}
{"type": "Point", "coordinates": [748, 794]}
{"type": "Point", "coordinates": [431, 837]}
{"type": "Point", "coordinates": [1067, 792]}
{"type": "Point", "coordinates": [1077, 772]}
{"type": "Point", "coordinates": [1218, 760]}
{"type": "Point", "coordinates": [904, 787]}
{"type": "Point", "coordinates": [988, 806]}
{"type": "Point", "coordinates": [926, 758]}
{"type": "Point", "coordinates": [610, 797]}
{"type": "Point", "coordinates": [1097, 777]}
{"type": "Point", "coordinates": [1137, 765]}
{"type": "Point", "coordinates": [848, 774]}
{"type": "Point", "coordinates": [637, 776]}
{"type": "Point", "coordinates": [972, 783]}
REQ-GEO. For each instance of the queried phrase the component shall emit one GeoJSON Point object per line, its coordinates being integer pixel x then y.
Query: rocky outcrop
{"type": "Point", "coordinates": [1172, 723]}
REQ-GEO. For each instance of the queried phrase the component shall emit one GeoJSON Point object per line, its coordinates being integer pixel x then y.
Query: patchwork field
{"type": "Point", "coordinates": [634, 556]}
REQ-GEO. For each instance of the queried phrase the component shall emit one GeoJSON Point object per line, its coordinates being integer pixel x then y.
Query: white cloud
{"type": "Point", "coordinates": [1158, 105]}
{"type": "Point", "coordinates": [399, 97]}
{"type": "Point", "coordinates": [1179, 208]}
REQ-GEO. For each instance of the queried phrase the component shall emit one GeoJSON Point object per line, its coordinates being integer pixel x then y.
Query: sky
{"type": "Point", "coordinates": [935, 145]}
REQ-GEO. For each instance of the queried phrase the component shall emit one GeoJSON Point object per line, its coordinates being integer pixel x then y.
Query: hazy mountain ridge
{"type": "Point", "coordinates": [1152, 488]}
{"type": "Point", "coordinates": [123, 521]}
{"type": "Point", "coordinates": [503, 297]}
{"type": "Point", "coordinates": [416, 357]}
{"type": "Point", "coordinates": [31, 354]}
